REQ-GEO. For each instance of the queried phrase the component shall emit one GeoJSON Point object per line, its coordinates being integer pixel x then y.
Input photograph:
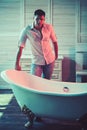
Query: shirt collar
{"type": "Point", "coordinates": [32, 26]}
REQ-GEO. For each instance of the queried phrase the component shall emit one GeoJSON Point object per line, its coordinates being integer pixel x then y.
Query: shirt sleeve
{"type": "Point", "coordinates": [22, 38]}
{"type": "Point", "coordinates": [53, 35]}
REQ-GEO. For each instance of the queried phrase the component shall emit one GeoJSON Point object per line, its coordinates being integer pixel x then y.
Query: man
{"type": "Point", "coordinates": [39, 35]}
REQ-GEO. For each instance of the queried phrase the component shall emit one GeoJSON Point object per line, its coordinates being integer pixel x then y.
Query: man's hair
{"type": "Point", "coordinates": [39, 12]}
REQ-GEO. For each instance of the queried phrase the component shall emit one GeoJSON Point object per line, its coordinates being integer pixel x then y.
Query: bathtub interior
{"type": "Point", "coordinates": [29, 81]}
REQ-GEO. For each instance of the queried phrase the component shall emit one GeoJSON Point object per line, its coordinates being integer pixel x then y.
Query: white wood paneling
{"type": "Point", "coordinates": [9, 17]}
{"type": "Point", "coordinates": [9, 30]}
{"type": "Point", "coordinates": [31, 6]}
{"type": "Point", "coordinates": [81, 45]}
{"type": "Point", "coordinates": [83, 20]}
{"type": "Point", "coordinates": [10, 26]}
{"type": "Point", "coordinates": [64, 14]}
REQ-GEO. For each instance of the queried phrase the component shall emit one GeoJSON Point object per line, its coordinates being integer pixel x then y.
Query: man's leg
{"type": "Point", "coordinates": [36, 70]}
{"type": "Point", "coordinates": [48, 70]}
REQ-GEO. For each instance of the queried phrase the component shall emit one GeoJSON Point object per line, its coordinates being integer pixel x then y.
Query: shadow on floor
{"type": "Point", "coordinates": [13, 119]}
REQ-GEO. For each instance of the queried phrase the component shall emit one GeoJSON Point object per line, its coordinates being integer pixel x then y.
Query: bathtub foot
{"type": "Point", "coordinates": [30, 116]}
{"type": "Point", "coordinates": [28, 125]}
{"type": "Point", "coordinates": [83, 122]}
{"type": "Point", "coordinates": [38, 119]}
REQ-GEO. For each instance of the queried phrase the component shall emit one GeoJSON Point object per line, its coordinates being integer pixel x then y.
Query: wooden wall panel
{"type": "Point", "coordinates": [83, 21]}
{"type": "Point", "coordinates": [31, 6]}
{"type": "Point", "coordinates": [10, 14]}
{"type": "Point", "coordinates": [64, 13]}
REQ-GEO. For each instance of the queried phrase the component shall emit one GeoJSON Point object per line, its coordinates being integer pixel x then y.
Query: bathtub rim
{"type": "Point", "coordinates": [66, 94]}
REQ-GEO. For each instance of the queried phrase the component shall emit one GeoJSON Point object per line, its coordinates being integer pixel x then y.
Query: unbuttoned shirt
{"type": "Point", "coordinates": [41, 43]}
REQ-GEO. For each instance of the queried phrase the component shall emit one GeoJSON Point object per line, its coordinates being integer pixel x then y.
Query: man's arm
{"type": "Point", "coordinates": [17, 64]}
{"type": "Point", "coordinates": [56, 50]}
{"type": "Point", "coordinates": [54, 41]}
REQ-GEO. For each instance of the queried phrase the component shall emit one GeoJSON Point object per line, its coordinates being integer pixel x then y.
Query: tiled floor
{"type": "Point", "coordinates": [11, 117]}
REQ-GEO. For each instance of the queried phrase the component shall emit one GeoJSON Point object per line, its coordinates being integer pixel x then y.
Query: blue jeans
{"type": "Point", "coordinates": [44, 71]}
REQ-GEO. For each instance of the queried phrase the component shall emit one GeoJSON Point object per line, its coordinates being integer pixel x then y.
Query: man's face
{"type": "Point", "coordinates": [39, 21]}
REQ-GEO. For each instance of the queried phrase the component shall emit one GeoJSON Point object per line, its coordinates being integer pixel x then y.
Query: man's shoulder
{"type": "Point", "coordinates": [28, 27]}
{"type": "Point", "coordinates": [48, 25]}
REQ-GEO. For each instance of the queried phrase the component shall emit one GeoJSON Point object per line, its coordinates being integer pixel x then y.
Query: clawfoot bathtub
{"type": "Point", "coordinates": [46, 98]}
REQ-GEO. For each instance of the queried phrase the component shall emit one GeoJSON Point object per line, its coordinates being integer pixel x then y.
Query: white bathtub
{"type": "Point", "coordinates": [47, 98]}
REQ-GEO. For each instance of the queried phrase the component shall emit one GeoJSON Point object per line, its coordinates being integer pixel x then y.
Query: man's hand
{"type": "Point", "coordinates": [17, 65]}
